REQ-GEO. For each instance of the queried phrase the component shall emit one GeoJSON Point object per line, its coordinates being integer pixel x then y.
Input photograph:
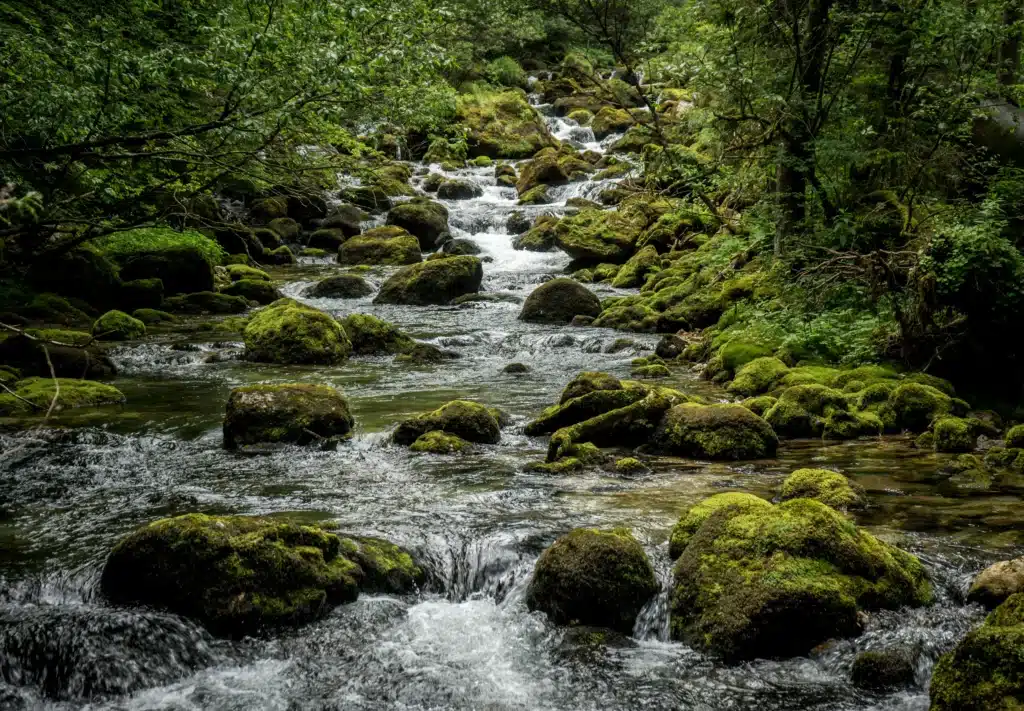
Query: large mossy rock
{"type": "Point", "coordinates": [829, 487]}
{"type": "Point", "coordinates": [206, 302]}
{"type": "Point", "coordinates": [258, 290]}
{"type": "Point", "coordinates": [454, 189]}
{"type": "Point", "coordinates": [373, 336]}
{"type": "Point", "coordinates": [602, 236]}
{"type": "Point", "coordinates": [776, 581]}
{"type": "Point", "coordinates": [471, 421]}
{"type": "Point", "coordinates": [986, 670]}
{"type": "Point", "coordinates": [715, 432]}
{"type": "Point", "coordinates": [118, 326]}
{"type": "Point", "coordinates": [84, 273]}
{"type": "Point", "coordinates": [543, 170]}
{"type": "Point", "coordinates": [340, 286]}
{"type": "Point", "coordinates": [34, 396]}
{"type": "Point", "coordinates": [701, 512]}
{"type": "Point", "coordinates": [241, 575]}
{"type": "Point", "coordinates": [34, 357]}
{"type": "Point", "coordinates": [560, 301]}
{"type": "Point", "coordinates": [424, 219]}
{"type": "Point", "coordinates": [590, 577]}
{"type": "Point", "coordinates": [434, 282]}
{"type": "Point", "coordinates": [291, 333]}
{"type": "Point", "coordinates": [502, 125]}
{"type": "Point", "coordinates": [293, 413]}
{"type": "Point", "coordinates": [183, 261]}
{"type": "Point", "coordinates": [391, 246]}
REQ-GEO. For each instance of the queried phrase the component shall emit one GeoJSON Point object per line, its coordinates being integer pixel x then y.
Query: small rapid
{"type": "Point", "coordinates": [478, 522]}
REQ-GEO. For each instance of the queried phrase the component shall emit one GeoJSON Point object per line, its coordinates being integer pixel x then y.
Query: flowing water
{"type": "Point", "coordinates": [479, 521]}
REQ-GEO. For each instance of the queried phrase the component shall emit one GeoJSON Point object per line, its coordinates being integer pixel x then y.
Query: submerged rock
{"type": "Point", "coordinates": [590, 577]}
{"type": "Point", "coordinates": [434, 282]}
{"type": "Point", "coordinates": [756, 580]}
{"type": "Point", "coordinates": [294, 413]}
{"type": "Point", "coordinates": [559, 301]}
{"type": "Point", "coordinates": [714, 432]}
{"type": "Point", "coordinates": [468, 420]}
{"type": "Point", "coordinates": [986, 671]}
{"type": "Point", "coordinates": [438, 442]}
{"type": "Point", "coordinates": [288, 332]}
{"type": "Point", "coordinates": [883, 670]}
{"type": "Point", "coordinates": [241, 575]}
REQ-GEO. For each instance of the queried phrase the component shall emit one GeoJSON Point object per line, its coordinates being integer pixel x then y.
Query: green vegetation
{"type": "Point", "coordinates": [295, 413]}
{"type": "Point", "coordinates": [287, 332]}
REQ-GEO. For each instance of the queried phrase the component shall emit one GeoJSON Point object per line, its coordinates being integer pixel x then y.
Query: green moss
{"type": "Point", "coordinates": [840, 424]}
{"type": "Point", "coordinates": [206, 302]}
{"type": "Point", "coordinates": [830, 488]}
{"type": "Point", "coordinates": [258, 290]}
{"type": "Point", "coordinates": [953, 434]}
{"type": "Point", "coordinates": [815, 399]}
{"type": "Point", "coordinates": [537, 195]}
{"type": "Point", "coordinates": [468, 420]}
{"type": "Point", "coordinates": [241, 271]}
{"type": "Point", "coordinates": [118, 326]}
{"type": "Point", "coordinates": [583, 407]}
{"type": "Point", "coordinates": [789, 419]}
{"type": "Point", "coordinates": [714, 432]}
{"type": "Point", "coordinates": [636, 270]}
{"type": "Point", "coordinates": [502, 125]}
{"type": "Point", "coordinates": [382, 245]}
{"type": "Point", "coordinates": [630, 466]}
{"type": "Point", "coordinates": [777, 581]}
{"type": "Point", "coordinates": [986, 670]}
{"type": "Point", "coordinates": [386, 568]}
{"type": "Point", "coordinates": [122, 246]}
{"type": "Point", "coordinates": [35, 395]}
{"type": "Point", "coordinates": [60, 335]}
{"type": "Point", "coordinates": [373, 336]}
{"type": "Point", "coordinates": [699, 513]}
{"type": "Point", "coordinates": [587, 382]}
{"type": "Point", "coordinates": [915, 405]}
{"type": "Point", "coordinates": [883, 670]}
{"type": "Point", "coordinates": [757, 376]}
{"type": "Point", "coordinates": [437, 442]}
{"type": "Point", "coordinates": [581, 116]}
{"type": "Point", "coordinates": [875, 394]}
{"type": "Point", "coordinates": [590, 577]}
{"type": "Point", "coordinates": [610, 120]}
{"type": "Point", "coordinates": [293, 413]}
{"type": "Point", "coordinates": [760, 405]}
{"type": "Point", "coordinates": [1015, 437]}
{"type": "Point", "coordinates": [737, 354]}
{"type": "Point", "coordinates": [288, 332]}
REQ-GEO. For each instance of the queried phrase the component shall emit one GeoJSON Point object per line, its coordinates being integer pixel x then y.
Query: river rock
{"type": "Point", "coordinates": [241, 575]}
{"type": "Point", "coordinates": [544, 170]}
{"type": "Point", "coordinates": [118, 326]}
{"type": "Point", "coordinates": [459, 190]}
{"type": "Point", "coordinates": [830, 488]}
{"type": "Point", "coordinates": [206, 302]}
{"type": "Point", "coordinates": [776, 581]}
{"type": "Point", "coordinates": [288, 332]}
{"type": "Point", "coordinates": [985, 671]}
{"type": "Point", "coordinates": [883, 670]}
{"type": "Point", "coordinates": [714, 432]}
{"type": "Point", "coordinates": [328, 239]}
{"type": "Point", "coordinates": [382, 245]}
{"type": "Point", "coordinates": [347, 218]}
{"type": "Point", "coordinates": [424, 219]}
{"type": "Point", "coordinates": [438, 442]}
{"type": "Point", "coordinates": [469, 420]}
{"type": "Point", "coordinates": [502, 125]}
{"type": "Point", "coordinates": [540, 237]}
{"type": "Point", "coordinates": [461, 247]}
{"type": "Point", "coordinates": [433, 282]}
{"type": "Point", "coordinates": [183, 269]}
{"type": "Point", "coordinates": [258, 290]}
{"type": "Point", "coordinates": [559, 301]}
{"type": "Point", "coordinates": [34, 396]}
{"type": "Point", "coordinates": [141, 294]}
{"type": "Point", "coordinates": [294, 413]}
{"type": "Point", "coordinates": [590, 577]}
{"type": "Point", "coordinates": [29, 356]}
{"type": "Point", "coordinates": [373, 336]}
{"type": "Point", "coordinates": [517, 223]}
{"type": "Point", "coordinates": [997, 582]}
{"type": "Point", "coordinates": [670, 347]}
{"type": "Point", "coordinates": [340, 286]}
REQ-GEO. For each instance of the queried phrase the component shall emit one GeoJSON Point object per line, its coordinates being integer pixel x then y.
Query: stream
{"type": "Point", "coordinates": [478, 521]}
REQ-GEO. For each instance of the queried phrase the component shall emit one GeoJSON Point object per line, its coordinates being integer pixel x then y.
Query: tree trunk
{"type": "Point", "coordinates": [1009, 50]}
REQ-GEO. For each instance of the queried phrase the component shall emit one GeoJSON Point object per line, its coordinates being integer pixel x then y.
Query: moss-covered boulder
{"type": "Point", "coordinates": [757, 376]}
{"type": "Point", "coordinates": [281, 256]}
{"type": "Point", "coordinates": [883, 669]}
{"type": "Point", "coordinates": [237, 272]}
{"type": "Point", "coordinates": [538, 238]}
{"type": "Point", "coordinates": [118, 326]}
{"type": "Point", "coordinates": [240, 575]}
{"type": "Point", "coordinates": [714, 432]}
{"type": "Point", "coordinates": [559, 301]}
{"type": "Point", "coordinates": [371, 198]}
{"type": "Point", "coordinates": [997, 582]}
{"type": "Point", "coordinates": [1015, 437]}
{"type": "Point", "coordinates": [424, 219]}
{"type": "Point", "coordinates": [152, 317]}
{"type": "Point", "coordinates": [182, 261]}
{"type": "Point", "coordinates": [33, 396]}
{"type": "Point", "coordinates": [258, 290]}
{"type": "Point", "coordinates": [954, 434]}
{"type": "Point", "coordinates": [438, 442]}
{"type": "Point", "coordinates": [636, 269]}
{"type": "Point", "coordinates": [294, 413]}
{"type": "Point", "coordinates": [434, 282]}
{"type": "Point", "coordinates": [288, 332]}
{"type": "Point", "coordinates": [776, 581]}
{"type": "Point", "coordinates": [328, 239]}
{"type": "Point", "coordinates": [340, 286]}
{"type": "Point", "coordinates": [347, 218]}
{"type": "Point", "coordinates": [470, 421]}
{"type": "Point", "coordinates": [610, 120]}
{"type": "Point", "coordinates": [596, 236]}
{"type": "Point", "coordinates": [986, 670]}
{"type": "Point", "coordinates": [85, 273]}
{"type": "Point", "coordinates": [382, 245]}
{"type": "Point", "coordinates": [453, 189]}
{"type": "Point", "coordinates": [915, 405]}
{"type": "Point", "coordinates": [590, 577]}
{"type": "Point", "coordinates": [502, 125]}
{"type": "Point", "coordinates": [543, 170]}
{"type": "Point", "coordinates": [286, 228]}
{"type": "Point", "coordinates": [373, 336]}
{"type": "Point", "coordinates": [589, 381]}
{"type": "Point", "coordinates": [583, 407]}
{"type": "Point", "coordinates": [830, 488]}
{"type": "Point", "coordinates": [206, 302]}
{"type": "Point", "coordinates": [32, 356]}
